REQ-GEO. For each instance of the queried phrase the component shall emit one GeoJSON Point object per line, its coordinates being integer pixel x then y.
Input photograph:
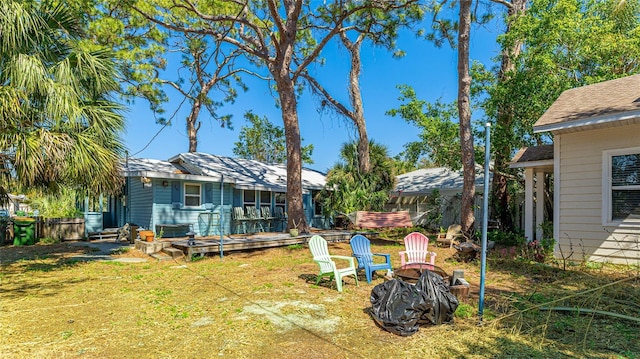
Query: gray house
{"type": "Point", "coordinates": [198, 191]}
{"type": "Point", "coordinates": [417, 191]}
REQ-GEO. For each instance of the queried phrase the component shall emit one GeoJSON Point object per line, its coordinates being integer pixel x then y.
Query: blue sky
{"type": "Point", "coordinates": [429, 70]}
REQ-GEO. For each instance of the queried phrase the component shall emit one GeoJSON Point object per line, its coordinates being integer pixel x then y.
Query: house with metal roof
{"type": "Point", "coordinates": [596, 172]}
{"type": "Point", "coordinates": [196, 192]}
{"type": "Point", "coordinates": [416, 192]}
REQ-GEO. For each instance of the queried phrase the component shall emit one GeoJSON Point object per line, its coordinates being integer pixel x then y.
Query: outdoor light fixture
{"type": "Point", "coordinates": [165, 183]}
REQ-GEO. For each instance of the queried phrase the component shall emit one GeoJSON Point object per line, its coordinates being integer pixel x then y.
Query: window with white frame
{"type": "Point", "coordinates": [622, 189]}
{"type": "Point", "coordinates": [192, 195]}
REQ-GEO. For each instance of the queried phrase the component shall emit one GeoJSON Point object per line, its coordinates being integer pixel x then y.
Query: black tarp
{"type": "Point", "coordinates": [401, 307]}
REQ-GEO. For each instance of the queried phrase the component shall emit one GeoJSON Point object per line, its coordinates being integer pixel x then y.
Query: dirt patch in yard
{"type": "Point", "coordinates": [10, 254]}
{"type": "Point", "coordinates": [265, 304]}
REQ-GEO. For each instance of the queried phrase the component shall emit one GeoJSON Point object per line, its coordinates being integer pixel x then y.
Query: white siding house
{"type": "Point", "coordinates": [596, 166]}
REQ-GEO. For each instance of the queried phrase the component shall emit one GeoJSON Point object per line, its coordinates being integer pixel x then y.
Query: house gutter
{"type": "Point", "coordinates": [168, 175]}
{"type": "Point", "coordinates": [591, 121]}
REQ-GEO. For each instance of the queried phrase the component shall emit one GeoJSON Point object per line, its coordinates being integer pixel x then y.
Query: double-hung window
{"type": "Point", "coordinates": [265, 198]}
{"type": "Point", "coordinates": [192, 196]}
{"type": "Point", "coordinates": [621, 188]}
{"type": "Point", "coordinates": [249, 199]}
{"type": "Point", "coordinates": [280, 199]}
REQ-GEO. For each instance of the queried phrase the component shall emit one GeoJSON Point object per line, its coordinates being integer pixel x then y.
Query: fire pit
{"type": "Point", "coordinates": [411, 274]}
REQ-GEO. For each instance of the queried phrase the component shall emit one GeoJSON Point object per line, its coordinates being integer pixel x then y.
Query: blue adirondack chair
{"type": "Point", "coordinates": [361, 248]}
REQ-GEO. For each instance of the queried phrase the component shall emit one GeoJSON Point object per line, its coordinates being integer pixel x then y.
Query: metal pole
{"type": "Point", "coordinates": [127, 214]}
{"type": "Point", "coordinates": [485, 217]}
{"type": "Point", "coordinates": [221, 216]}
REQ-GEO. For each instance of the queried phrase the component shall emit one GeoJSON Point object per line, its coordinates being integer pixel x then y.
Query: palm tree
{"type": "Point", "coordinates": [58, 124]}
{"type": "Point", "coordinates": [348, 189]}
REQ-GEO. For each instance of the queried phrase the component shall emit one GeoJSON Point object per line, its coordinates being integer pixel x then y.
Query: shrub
{"type": "Point", "coordinates": [506, 239]}
{"type": "Point", "coordinates": [464, 311]}
{"type": "Point", "coordinates": [538, 251]}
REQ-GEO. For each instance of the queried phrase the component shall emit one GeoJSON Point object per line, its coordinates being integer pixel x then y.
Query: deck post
{"type": "Point", "coordinates": [539, 203]}
{"type": "Point", "coordinates": [528, 204]}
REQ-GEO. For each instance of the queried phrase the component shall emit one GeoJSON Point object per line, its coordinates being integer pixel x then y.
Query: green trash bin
{"type": "Point", "coordinates": [24, 231]}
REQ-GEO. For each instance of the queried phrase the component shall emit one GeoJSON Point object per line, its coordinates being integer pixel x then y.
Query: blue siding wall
{"type": "Point", "coordinates": [167, 211]}
{"type": "Point", "coordinates": [140, 203]}
{"type": "Point", "coordinates": [151, 207]}
{"type": "Point", "coordinates": [312, 220]}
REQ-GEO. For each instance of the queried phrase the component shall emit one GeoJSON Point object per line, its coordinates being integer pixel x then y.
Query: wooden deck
{"type": "Point", "coordinates": [213, 245]}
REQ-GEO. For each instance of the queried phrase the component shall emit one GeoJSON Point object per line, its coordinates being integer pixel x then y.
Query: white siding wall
{"type": "Point", "coordinates": [580, 228]}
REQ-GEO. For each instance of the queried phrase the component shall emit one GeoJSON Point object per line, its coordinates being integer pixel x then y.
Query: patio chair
{"type": "Point", "coordinates": [280, 219]}
{"type": "Point", "coordinates": [240, 219]}
{"type": "Point", "coordinates": [328, 267]}
{"type": "Point", "coordinates": [453, 232]}
{"type": "Point", "coordinates": [265, 211]}
{"type": "Point", "coordinates": [361, 248]}
{"type": "Point", "coordinates": [253, 216]}
{"type": "Point", "coordinates": [416, 251]}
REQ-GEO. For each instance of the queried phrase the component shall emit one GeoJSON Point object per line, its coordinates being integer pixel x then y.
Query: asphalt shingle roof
{"type": "Point", "coordinates": [602, 99]}
{"type": "Point", "coordinates": [533, 154]}
{"type": "Point", "coordinates": [248, 174]}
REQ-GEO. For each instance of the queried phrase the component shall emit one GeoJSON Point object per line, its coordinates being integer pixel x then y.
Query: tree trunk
{"type": "Point", "coordinates": [464, 111]}
{"type": "Point", "coordinates": [280, 68]}
{"type": "Point", "coordinates": [501, 198]}
{"type": "Point", "coordinates": [364, 163]}
{"type": "Point", "coordinates": [193, 125]}
{"type": "Point", "coordinates": [295, 211]}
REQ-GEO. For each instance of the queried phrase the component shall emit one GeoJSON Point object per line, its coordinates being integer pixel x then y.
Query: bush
{"type": "Point", "coordinates": [506, 239]}
{"type": "Point", "coordinates": [538, 251]}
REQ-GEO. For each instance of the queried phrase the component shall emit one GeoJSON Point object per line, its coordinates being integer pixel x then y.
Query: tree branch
{"type": "Point", "coordinates": [315, 85]}
{"type": "Point", "coordinates": [503, 2]}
